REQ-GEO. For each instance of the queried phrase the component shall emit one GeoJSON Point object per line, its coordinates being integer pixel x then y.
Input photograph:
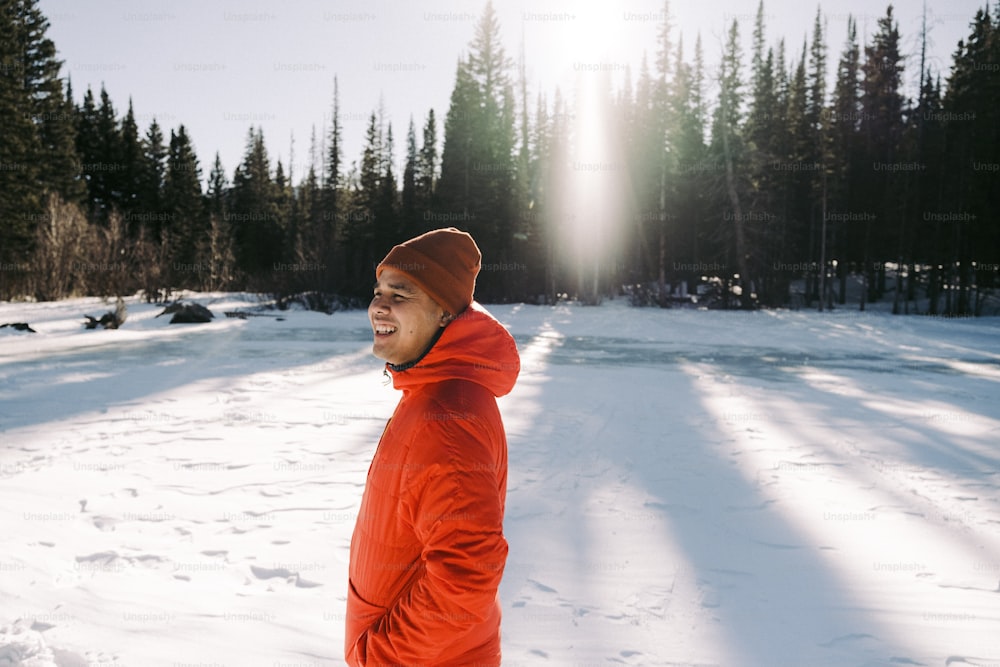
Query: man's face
{"type": "Point", "coordinates": [404, 318]}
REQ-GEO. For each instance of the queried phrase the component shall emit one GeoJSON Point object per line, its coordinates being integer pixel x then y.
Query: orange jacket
{"type": "Point", "coordinates": [428, 549]}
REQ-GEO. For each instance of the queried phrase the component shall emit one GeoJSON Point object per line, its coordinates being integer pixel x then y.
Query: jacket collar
{"type": "Point", "coordinates": [474, 347]}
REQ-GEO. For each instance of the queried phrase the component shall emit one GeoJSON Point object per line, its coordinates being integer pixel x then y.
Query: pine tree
{"type": "Point", "coordinates": [332, 206]}
{"type": "Point", "coordinates": [386, 228]}
{"type": "Point", "coordinates": [106, 168]}
{"type": "Point", "coordinates": [845, 123]}
{"type": "Point", "coordinates": [218, 254]}
{"type": "Point", "coordinates": [359, 233]}
{"type": "Point", "coordinates": [307, 230]}
{"type": "Point", "coordinates": [696, 151]}
{"type": "Point", "coordinates": [20, 200]}
{"type": "Point", "coordinates": [456, 182]}
{"type": "Point", "coordinates": [796, 181]}
{"type": "Point", "coordinates": [409, 217]}
{"type": "Point", "coordinates": [527, 238]}
{"type": "Point", "coordinates": [259, 237]}
{"type": "Point", "coordinates": [646, 175]}
{"type": "Point", "coordinates": [477, 161]}
{"type": "Point", "coordinates": [131, 167]}
{"type": "Point", "coordinates": [56, 123]}
{"type": "Point", "coordinates": [427, 167]}
{"type": "Point", "coordinates": [285, 277]}
{"type": "Point", "coordinates": [816, 102]}
{"type": "Point", "coordinates": [916, 133]}
{"type": "Point", "coordinates": [689, 147]}
{"type": "Point", "coordinates": [152, 174]}
{"type": "Point", "coordinates": [88, 146]}
{"type": "Point", "coordinates": [554, 147]}
{"type": "Point", "coordinates": [184, 208]}
{"type": "Point", "coordinates": [666, 131]}
{"type": "Point", "coordinates": [763, 101]}
{"type": "Point", "coordinates": [972, 151]}
{"type": "Point", "coordinates": [38, 157]}
{"type": "Point", "coordinates": [764, 130]}
{"type": "Point", "coordinates": [818, 160]}
{"type": "Point", "coordinates": [217, 188]}
{"type": "Point", "coordinates": [504, 207]}
{"type": "Point", "coordinates": [539, 202]}
{"type": "Point", "coordinates": [334, 156]}
{"type": "Point", "coordinates": [881, 129]}
{"type": "Point", "coordinates": [729, 147]}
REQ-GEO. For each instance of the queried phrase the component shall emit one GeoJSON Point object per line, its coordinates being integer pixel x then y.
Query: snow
{"type": "Point", "coordinates": [685, 488]}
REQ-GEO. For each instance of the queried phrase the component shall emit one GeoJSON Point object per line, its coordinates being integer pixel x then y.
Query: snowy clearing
{"type": "Point", "coordinates": [685, 488]}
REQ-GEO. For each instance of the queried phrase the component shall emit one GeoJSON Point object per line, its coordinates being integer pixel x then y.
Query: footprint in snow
{"type": "Point", "coordinates": [542, 587]}
{"type": "Point", "coordinates": [20, 645]}
{"type": "Point", "coordinates": [103, 557]}
{"type": "Point", "coordinates": [711, 599]}
{"type": "Point", "coordinates": [836, 641]}
{"type": "Point", "coordinates": [270, 573]}
{"type": "Point", "coordinates": [775, 545]}
{"type": "Point", "coordinates": [104, 523]}
{"type": "Point", "coordinates": [287, 575]}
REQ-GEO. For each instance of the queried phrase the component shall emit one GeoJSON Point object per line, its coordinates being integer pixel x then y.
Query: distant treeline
{"type": "Point", "coordinates": [776, 186]}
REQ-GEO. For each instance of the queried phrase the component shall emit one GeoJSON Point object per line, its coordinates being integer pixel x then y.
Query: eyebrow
{"type": "Point", "coordinates": [399, 287]}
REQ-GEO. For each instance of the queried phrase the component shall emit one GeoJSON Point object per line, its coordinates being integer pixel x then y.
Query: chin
{"type": "Point", "coordinates": [381, 354]}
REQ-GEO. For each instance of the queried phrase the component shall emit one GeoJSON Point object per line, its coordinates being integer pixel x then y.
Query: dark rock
{"type": "Point", "coordinates": [187, 313]}
{"type": "Point", "coordinates": [19, 326]}
{"type": "Point", "coordinates": [172, 308]}
{"type": "Point", "coordinates": [111, 319]}
{"type": "Point", "coordinates": [244, 314]}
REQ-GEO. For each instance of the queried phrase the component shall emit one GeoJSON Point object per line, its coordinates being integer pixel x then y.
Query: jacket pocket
{"type": "Point", "coordinates": [361, 615]}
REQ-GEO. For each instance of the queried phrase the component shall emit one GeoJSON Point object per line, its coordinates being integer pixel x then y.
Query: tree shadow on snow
{"type": "Point", "coordinates": [117, 379]}
{"type": "Point", "coordinates": [610, 462]}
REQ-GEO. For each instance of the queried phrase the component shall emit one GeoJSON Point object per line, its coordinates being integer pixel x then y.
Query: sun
{"type": "Point", "coordinates": [580, 50]}
{"type": "Point", "coordinates": [563, 39]}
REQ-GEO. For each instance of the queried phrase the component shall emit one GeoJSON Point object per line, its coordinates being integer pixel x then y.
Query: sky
{"type": "Point", "coordinates": [221, 66]}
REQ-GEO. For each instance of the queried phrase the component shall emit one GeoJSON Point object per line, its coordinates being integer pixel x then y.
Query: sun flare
{"type": "Point", "coordinates": [580, 51]}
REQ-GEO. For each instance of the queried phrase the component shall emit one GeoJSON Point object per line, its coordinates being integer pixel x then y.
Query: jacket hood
{"type": "Point", "coordinates": [473, 347]}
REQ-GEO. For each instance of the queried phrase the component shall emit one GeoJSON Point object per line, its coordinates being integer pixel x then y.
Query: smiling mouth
{"type": "Point", "coordinates": [384, 330]}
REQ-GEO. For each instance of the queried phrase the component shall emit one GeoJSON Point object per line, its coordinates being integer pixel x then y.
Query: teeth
{"type": "Point", "coordinates": [385, 330]}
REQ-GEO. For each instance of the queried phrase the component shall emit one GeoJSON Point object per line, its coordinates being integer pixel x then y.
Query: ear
{"type": "Point", "coordinates": [446, 318]}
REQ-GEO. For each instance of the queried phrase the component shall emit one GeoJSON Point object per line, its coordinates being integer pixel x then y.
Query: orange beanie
{"type": "Point", "coordinates": [443, 262]}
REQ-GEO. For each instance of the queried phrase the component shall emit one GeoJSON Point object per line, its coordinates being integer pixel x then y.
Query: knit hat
{"type": "Point", "coordinates": [443, 262]}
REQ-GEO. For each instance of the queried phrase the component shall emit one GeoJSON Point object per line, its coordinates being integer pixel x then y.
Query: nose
{"type": "Point", "coordinates": [378, 304]}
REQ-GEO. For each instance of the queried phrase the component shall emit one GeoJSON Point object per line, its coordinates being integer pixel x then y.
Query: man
{"type": "Point", "coordinates": [428, 549]}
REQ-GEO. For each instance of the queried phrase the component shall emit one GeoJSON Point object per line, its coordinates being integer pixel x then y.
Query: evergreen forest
{"type": "Point", "coordinates": [749, 179]}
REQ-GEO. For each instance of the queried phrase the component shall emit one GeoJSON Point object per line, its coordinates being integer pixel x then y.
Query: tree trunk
{"type": "Point", "coordinates": [933, 290]}
{"type": "Point", "coordinates": [822, 248]}
{"type": "Point", "coordinates": [734, 200]}
{"type": "Point", "coordinates": [662, 261]}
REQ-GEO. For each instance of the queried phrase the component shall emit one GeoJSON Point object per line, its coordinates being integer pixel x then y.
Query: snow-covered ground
{"type": "Point", "coordinates": [686, 488]}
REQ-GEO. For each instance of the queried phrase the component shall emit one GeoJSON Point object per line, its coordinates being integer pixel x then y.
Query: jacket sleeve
{"type": "Point", "coordinates": [455, 504]}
